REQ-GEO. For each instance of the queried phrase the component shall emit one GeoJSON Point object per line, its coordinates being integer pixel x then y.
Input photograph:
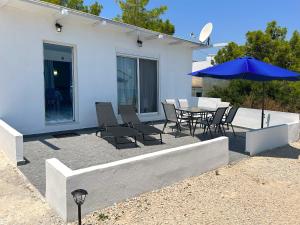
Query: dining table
{"type": "Point", "coordinates": [194, 113]}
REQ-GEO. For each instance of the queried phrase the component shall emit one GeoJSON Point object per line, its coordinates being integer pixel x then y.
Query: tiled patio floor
{"type": "Point", "coordinates": [86, 149]}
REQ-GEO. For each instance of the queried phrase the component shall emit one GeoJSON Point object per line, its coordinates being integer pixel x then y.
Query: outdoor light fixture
{"type": "Point", "coordinates": [79, 197]}
{"type": "Point", "coordinates": [139, 43]}
{"type": "Point", "coordinates": [58, 27]}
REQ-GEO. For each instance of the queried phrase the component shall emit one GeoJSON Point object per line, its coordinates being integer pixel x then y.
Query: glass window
{"type": "Point", "coordinates": [148, 85]}
{"type": "Point", "coordinates": [127, 81]}
{"type": "Point", "coordinates": [138, 87]}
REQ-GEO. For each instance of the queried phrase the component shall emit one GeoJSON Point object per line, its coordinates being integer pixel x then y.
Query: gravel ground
{"type": "Point", "coordinates": [261, 190]}
{"type": "Point", "coordinates": [20, 204]}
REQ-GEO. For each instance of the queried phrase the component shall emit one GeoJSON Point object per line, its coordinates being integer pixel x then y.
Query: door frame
{"type": "Point", "coordinates": [75, 104]}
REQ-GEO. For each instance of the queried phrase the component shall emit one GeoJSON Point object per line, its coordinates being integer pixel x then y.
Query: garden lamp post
{"type": "Point", "coordinates": [79, 197]}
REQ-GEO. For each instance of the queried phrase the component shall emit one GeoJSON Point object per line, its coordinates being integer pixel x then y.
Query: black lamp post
{"type": "Point", "coordinates": [79, 197]}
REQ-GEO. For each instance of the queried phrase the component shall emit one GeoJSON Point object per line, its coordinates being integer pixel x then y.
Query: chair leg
{"type": "Point", "coordinates": [116, 142]}
{"type": "Point", "coordinates": [165, 126]}
{"type": "Point", "coordinates": [223, 129]}
{"type": "Point", "coordinates": [208, 127]}
{"type": "Point", "coordinates": [194, 129]}
{"type": "Point", "coordinates": [204, 128]}
{"type": "Point", "coordinates": [179, 126]}
{"type": "Point", "coordinates": [135, 141]}
{"type": "Point", "coordinates": [233, 129]}
{"type": "Point", "coordinates": [161, 141]}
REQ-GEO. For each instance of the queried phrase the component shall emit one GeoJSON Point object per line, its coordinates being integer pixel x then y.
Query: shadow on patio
{"type": "Point", "coordinates": [82, 148]}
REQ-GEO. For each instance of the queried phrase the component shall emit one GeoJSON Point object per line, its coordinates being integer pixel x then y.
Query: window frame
{"type": "Point", "coordinates": [137, 58]}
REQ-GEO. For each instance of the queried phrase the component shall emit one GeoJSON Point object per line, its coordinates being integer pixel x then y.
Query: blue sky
{"type": "Point", "coordinates": [231, 18]}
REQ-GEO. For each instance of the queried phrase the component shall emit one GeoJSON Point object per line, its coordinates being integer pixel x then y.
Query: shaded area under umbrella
{"type": "Point", "coordinates": [248, 68]}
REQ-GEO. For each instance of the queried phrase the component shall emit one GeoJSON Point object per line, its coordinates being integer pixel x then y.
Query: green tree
{"type": "Point", "coordinates": [134, 12]}
{"type": "Point", "coordinates": [270, 46]}
{"type": "Point", "coordinates": [94, 8]}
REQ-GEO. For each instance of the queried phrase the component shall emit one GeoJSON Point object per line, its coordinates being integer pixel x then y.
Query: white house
{"type": "Point", "coordinates": [56, 63]}
{"type": "Point", "coordinates": [200, 86]}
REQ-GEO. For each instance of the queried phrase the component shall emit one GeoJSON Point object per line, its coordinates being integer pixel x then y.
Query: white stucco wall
{"type": "Point", "coordinates": [260, 140]}
{"type": "Point", "coordinates": [96, 47]}
{"type": "Point", "coordinates": [11, 143]}
{"type": "Point", "coordinates": [116, 181]}
{"type": "Point", "coordinates": [251, 118]}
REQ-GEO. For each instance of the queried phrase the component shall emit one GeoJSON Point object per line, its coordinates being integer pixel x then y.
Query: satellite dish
{"type": "Point", "coordinates": [205, 33]}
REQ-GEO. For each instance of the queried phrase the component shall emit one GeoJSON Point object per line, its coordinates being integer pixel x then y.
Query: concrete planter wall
{"type": "Point", "coordinates": [117, 181]}
{"type": "Point", "coordinates": [251, 118]}
{"type": "Point", "coordinates": [11, 143]}
{"type": "Point", "coordinates": [260, 140]}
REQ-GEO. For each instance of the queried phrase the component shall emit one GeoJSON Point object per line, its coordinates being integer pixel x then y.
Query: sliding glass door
{"type": "Point", "coordinates": [58, 77]}
{"type": "Point", "coordinates": [127, 81]}
{"type": "Point", "coordinates": [148, 85]}
{"type": "Point", "coordinates": [138, 83]}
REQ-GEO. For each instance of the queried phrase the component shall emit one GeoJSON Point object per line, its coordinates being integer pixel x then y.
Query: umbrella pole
{"type": "Point", "coordinates": [263, 107]}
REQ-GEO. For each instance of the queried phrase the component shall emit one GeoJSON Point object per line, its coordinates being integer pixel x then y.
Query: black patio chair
{"type": "Point", "coordinates": [215, 120]}
{"type": "Point", "coordinates": [182, 117]}
{"type": "Point", "coordinates": [172, 116]}
{"type": "Point", "coordinates": [230, 117]}
{"type": "Point", "coordinates": [130, 118]}
{"type": "Point", "coordinates": [108, 124]}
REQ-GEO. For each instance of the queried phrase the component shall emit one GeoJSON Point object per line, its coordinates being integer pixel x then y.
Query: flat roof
{"type": "Point", "coordinates": [145, 34]}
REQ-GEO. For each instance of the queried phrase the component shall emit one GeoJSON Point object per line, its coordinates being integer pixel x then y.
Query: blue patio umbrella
{"type": "Point", "coordinates": [248, 68]}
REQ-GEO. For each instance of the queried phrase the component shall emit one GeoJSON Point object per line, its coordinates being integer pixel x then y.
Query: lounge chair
{"type": "Point", "coordinates": [215, 120]}
{"type": "Point", "coordinates": [108, 124]}
{"type": "Point", "coordinates": [230, 117]}
{"type": "Point", "coordinates": [172, 116]}
{"type": "Point", "coordinates": [130, 118]}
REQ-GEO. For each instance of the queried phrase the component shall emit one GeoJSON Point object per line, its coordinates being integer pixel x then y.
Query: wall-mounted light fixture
{"type": "Point", "coordinates": [58, 27]}
{"type": "Point", "coordinates": [139, 43]}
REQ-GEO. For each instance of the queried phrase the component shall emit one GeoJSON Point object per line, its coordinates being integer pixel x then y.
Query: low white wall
{"type": "Point", "coordinates": [11, 143]}
{"type": "Point", "coordinates": [293, 132]}
{"type": "Point", "coordinates": [267, 138]}
{"type": "Point", "coordinates": [209, 103]}
{"type": "Point", "coordinates": [251, 118]}
{"type": "Point", "coordinates": [117, 181]}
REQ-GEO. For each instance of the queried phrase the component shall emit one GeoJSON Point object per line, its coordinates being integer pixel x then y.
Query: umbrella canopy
{"type": "Point", "coordinates": [248, 68]}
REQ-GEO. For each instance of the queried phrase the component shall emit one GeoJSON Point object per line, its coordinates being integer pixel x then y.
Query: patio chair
{"type": "Point", "coordinates": [215, 120]}
{"type": "Point", "coordinates": [172, 116]}
{"type": "Point", "coordinates": [171, 101]}
{"type": "Point", "coordinates": [181, 116]}
{"type": "Point", "coordinates": [130, 118]}
{"type": "Point", "coordinates": [108, 124]}
{"type": "Point", "coordinates": [183, 103]}
{"type": "Point", "coordinates": [230, 117]}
